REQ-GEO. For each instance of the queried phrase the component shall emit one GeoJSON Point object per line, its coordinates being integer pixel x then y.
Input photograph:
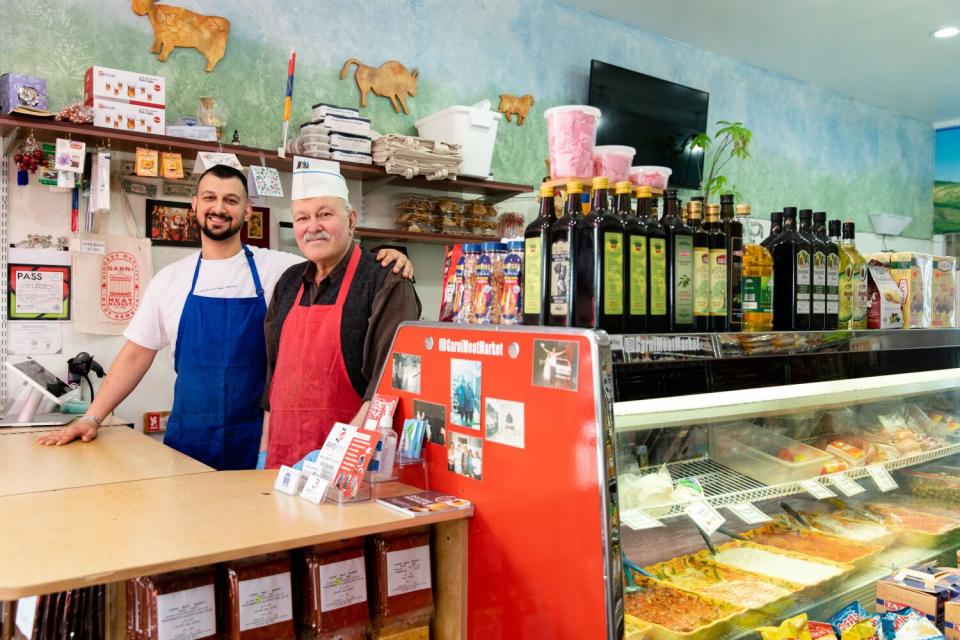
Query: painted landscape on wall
{"type": "Point", "coordinates": [946, 186]}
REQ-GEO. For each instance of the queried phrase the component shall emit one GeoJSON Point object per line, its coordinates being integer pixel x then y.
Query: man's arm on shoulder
{"type": "Point", "coordinates": [395, 302]}
{"type": "Point", "coordinates": [124, 375]}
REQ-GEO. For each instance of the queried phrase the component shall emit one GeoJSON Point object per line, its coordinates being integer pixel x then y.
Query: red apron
{"type": "Point", "coordinates": [310, 390]}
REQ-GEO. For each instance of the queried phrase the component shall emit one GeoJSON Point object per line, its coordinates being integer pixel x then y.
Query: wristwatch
{"type": "Point", "coordinates": [92, 419]}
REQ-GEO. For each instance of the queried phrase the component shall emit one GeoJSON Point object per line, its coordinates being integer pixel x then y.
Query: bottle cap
{"type": "Point", "coordinates": [643, 191]}
{"type": "Point", "coordinates": [713, 208]}
{"type": "Point", "coordinates": [726, 198]}
{"type": "Point", "coordinates": [494, 246]}
{"type": "Point", "coordinates": [515, 245]}
{"type": "Point", "coordinates": [820, 216]}
{"type": "Point", "coordinates": [624, 187]}
{"type": "Point", "coordinates": [743, 209]}
{"type": "Point", "coordinates": [789, 211]}
{"type": "Point", "coordinates": [574, 187]}
{"type": "Point", "coordinates": [834, 227]}
{"type": "Point", "coordinates": [546, 191]}
{"type": "Point", "coordinates": [776, 216]}
{"type": "Point", "coordinates": [848, 230]}
{"type": "Point", "coordinates": [601, 182]}
{"type": "Point", "coordinates": [472, 247]}
{"type": "Point", "coordinates": [806, 214]}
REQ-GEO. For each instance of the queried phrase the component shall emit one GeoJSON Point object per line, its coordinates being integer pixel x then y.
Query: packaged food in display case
{"type": "Point", "coordinates": [414, 213]}
{"type": "Point", "coordinates": [674, 614]}
{"type": "Point", "coordinates": [936, 482]}
{"type": "Point", "coordinates": [811, 543]}
{"type": "Point", "coordinates": [775, 563]}
{"type": "Point", "coordinates": [763, 455]}
{"type": "Point", "coordinates": [913, 274]}
{"type": "Point", "coordinates": [159, 606]}
{"type": "Point", "coordinates": [399, 572]}
{"type": "Point", "coordinates": [944, 292]}
{"type": "Point", "coordinates": [257, 599]}
{"type": "Point", "coordinates": [850, 526]}
{"type": "Point", "coordinates": [331, 582]}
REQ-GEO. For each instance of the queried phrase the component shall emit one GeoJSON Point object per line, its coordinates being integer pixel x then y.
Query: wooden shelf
{"type": "Point", "coordinates": [414, 236]}
{"type": "Point", "coordinates": [129, 141]}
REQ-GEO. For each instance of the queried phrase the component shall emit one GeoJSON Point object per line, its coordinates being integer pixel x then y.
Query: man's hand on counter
{"type": "Point", "coordinates": [85, 431]}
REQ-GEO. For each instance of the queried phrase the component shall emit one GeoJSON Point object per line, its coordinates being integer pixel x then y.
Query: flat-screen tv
{"type": "Point", "coordinates": [656, 117]}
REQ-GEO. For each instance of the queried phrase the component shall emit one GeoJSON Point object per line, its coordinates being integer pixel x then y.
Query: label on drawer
{"type": "Point", "coordinates": [187, 614]}
{"type": "Point", "coordinates": [817, 490]}
{"type": "Point", "coordinates": [846, 486]}
{"type": "Point", "coordinates": [882, 477]}
{"type": "Point", "coordinates": [636, 519]}
{"type": "Point", "coordinates": [342, 584]}
{"type": "Point", "coordinates": [705, 516]}
{"type": "Point", "coordinates": [265, 601]}
{"type": "Point", "coordinates": [408, 570]}
{"type": "Point", "coordinates": [748, 513]}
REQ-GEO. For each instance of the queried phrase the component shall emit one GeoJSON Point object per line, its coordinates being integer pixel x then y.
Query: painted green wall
{"type": "Point", "coordinates": [813, 148]}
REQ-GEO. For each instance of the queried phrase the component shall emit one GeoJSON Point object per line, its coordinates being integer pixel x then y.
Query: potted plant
{"type": "Point", "coordinates": [731, 140]}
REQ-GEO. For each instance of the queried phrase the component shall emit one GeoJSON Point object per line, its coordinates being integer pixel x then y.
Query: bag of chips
{"type": "Point", "coordinates": [790, 629]}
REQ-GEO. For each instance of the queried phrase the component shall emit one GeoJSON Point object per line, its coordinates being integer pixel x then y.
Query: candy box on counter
{"type": "Point", "coordinates": [123, 86]}
{"type": "Point", "coordinates": [951, 620]}
{"type": "Point", "coordinates": [944, 292]}
{"type": "Point", "coordinates": [19, 91]}
{"type": "Point", "coordinates": [913, 273]}
{"type": "Point", "coordinates": [923, 590]}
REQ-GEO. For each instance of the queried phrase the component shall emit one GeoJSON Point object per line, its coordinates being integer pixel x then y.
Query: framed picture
{"type": "Point", "coordinates": [38, 292]}
{"type": "Point", "coordinates": [257, 230]}
{"type": "Point", "coordinates": [172, 224]}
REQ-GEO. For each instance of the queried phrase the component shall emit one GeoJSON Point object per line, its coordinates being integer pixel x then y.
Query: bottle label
{"type": "Point", "coordinates": [718, 282]}
{"type": "Point", "coordinates": [757, 294]}
{"type": "Point", "coordinates": [532, 276]}
{"type": "Point", "coordinates": [683, 279]}
{"type": "Point", "coordinates": [511, 293]}
{"type": "Point", "coordinates": [734, 284]}
{"type": "Point", "coordinates": [612, 273]}
{"type": "Point", "coordinates": [638, 275]}
{"type": "Point", "coordinates": [560, 278]}
{"type": "Point", "coordinates": [484, 291]}
{"type": "Point", "coordinates": [819, 283]}
{"type": "Point", "coordinates": [847, 289]}
{"type": "Point", "coordinates": [833, 283]}
{"type": "Point", "coordinates": [658, 277]}
{"type": "Point", "coordinates": [803, 282]}
{"type": "Point", "coordinates": [860, 298]}
{"type": "Point", "coordinates": [701, 281]}
{"type": "Point", "coordinates": [458, 289]}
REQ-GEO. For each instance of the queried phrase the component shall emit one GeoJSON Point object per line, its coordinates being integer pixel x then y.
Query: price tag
{"type": "Point", "coordinates": [706, 517]}
{"type": "Point", "coordinates": [748, 513]}
{"type": "Point", "coordinates": [288, 480]}
{"type": "Point", "coordinates": [817, 490]}
{"type": "Point", "coordinates": [847, 486]}
{"type": "Point", "coordinates": [882, 477]}
{"type": "Point", "coordinates": [315, 489]}
{"type": "Point", "coordinates": [636, 519]}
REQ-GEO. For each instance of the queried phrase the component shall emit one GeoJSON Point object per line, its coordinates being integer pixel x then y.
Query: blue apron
{"type": "Point", "coordinates": [221, 366]}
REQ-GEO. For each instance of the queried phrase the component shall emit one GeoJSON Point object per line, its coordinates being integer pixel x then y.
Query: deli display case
{"type": "Point", "coordinates": [691, 486]}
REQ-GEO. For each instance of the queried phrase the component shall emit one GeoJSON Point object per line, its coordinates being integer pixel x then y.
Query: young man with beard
{"type": "Point", "coordinates": [209, 308]}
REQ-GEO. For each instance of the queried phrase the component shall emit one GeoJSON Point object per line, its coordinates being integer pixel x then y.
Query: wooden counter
{"type": "Point", "coordinates": [110, 421]}
{"type": "Point", "coordinates": [119, 454]}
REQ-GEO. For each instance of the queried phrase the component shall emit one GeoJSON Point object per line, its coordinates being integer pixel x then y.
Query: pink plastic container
{"type": "Point", "coordinates": [613, 161]}
{"type": "Point", "coordinates": [650, 176]}
{"type": "Point", "coordinates": [571, 136]}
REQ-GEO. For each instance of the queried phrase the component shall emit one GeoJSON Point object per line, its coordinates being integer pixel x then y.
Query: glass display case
{"type": "Point", "coordinates": [820, 464]}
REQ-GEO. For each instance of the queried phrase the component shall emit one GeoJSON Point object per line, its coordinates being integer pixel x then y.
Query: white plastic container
{"type": "Point", "coordinates": [764, 455]}
{"type": "Point", "coordinates": [473, 128]}
{"type": "Point", "coordinates": [613, 161]}
{"type": "Point", "coordinates": [650, 176]}
{"type": "Point", "coordinates": [571, 136]}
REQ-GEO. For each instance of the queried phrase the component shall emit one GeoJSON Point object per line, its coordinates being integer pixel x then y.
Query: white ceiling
{"type": "Point", "coordinates": [877, 51]}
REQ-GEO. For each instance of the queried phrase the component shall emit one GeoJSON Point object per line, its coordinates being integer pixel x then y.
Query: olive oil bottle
{"type": "Point", "coordinates": [718, 269]}
{"type": "Point", "coordinates": [791, 274]}
{"type": "Point", "coordinates": [776, 226]}
{"type": "Point", "coordinates": [832, 251]}
{"type": "Point", "coordinates": [563, 258]}
{"type": "Point", "coordinates": [679, 274]}
{"type": "Point", "coordinates": [758, 280]}
{"type": "Point", "coordinates": [598, 301]}
{"type": "Point", "coordinates": [634, 263]}
{"type": "Point", "coordinates": [733, 229]}
{"type": "Point", "coordinates": [658, 316]}
{"type": "Point", "coordinates": [536, 261]}
{"type": "Point", "coordinates": [818, 271]}
{"type": "Point", "coordinates": [701, 268]}
{"type": "Point", "coordinates": [853, 282]}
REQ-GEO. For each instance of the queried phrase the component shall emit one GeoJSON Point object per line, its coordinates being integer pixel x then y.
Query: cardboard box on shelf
{"type": "Point", "coordinates": [18, 91]}
{"type": "Point", "coordinates": [128, 117]}
{"type": "Point", "coordinates": [124, 86]}
{"type": "Point", "coordinates": [926, 591]}
{"type": "Point", "coordinates": [951, 620]}
{"type": "Point", "coordinates": [913, 273]}
{"type": "Point", "coordinates": [944, 291]}
{"type": "Point", "coordinates": [884, 311]}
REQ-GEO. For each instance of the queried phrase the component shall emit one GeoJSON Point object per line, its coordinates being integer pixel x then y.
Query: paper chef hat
{"type": "Point", "coordinates": [314, 178]}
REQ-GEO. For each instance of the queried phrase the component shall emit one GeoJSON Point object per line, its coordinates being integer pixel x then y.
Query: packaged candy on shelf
{"type": "Point", "coordinates": [613, 162]}
{"type": "Point", "coordinates": [258, 599]}
{"type": "Point", "coordinates": [332, 588]}
{"type": "Point", "coordinates": [571, 136]}
{"type": "Point", "coordinates": [399, 568]}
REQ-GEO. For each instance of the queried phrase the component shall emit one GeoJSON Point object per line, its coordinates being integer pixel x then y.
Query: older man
{"type": "Point", "coordinates": [330, 323]}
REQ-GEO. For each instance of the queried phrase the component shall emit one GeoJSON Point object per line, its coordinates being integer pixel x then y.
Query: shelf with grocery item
{"type": "Point", "coordinates": [423, 237]}
{"type": "Point", "coordinates": [744, 404]}
{"type": "Point", "coordinates": [373, 176]}
{"type": "Point", "coordinates": [724, 486]}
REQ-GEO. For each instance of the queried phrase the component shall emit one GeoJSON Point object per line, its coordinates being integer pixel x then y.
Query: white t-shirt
{"type": "Point", "coordinates": [157, 320]}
